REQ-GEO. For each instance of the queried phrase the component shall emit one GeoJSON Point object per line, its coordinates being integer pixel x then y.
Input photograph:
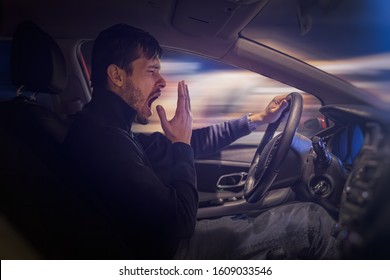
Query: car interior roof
{"type": "Point", "coordinates": [177, 23]}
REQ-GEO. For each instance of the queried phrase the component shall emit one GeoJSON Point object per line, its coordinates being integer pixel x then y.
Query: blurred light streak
{"type": "Point", "coordinates": [177, 67]}
{"type": "Point", "coordinates": [274, 90]}
{"type": "Point", "coordinates": [371, 73]}
{"type": "Point", "coordinates": [365, 64]}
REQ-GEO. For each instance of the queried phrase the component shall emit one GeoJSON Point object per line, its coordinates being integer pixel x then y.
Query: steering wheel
{"type": "Point", "coordinates": [267, 160]}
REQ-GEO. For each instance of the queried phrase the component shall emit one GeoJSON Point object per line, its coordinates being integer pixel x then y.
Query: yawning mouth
{"type": "Point", "coordinates": [152, 99]}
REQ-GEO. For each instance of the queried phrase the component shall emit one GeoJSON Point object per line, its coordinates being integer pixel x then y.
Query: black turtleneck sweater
{"type": "Point", "coordinates": [147, 184]}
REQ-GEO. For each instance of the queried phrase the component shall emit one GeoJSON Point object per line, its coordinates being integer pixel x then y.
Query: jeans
{"type": "Point", "coordinates": [293, 231]}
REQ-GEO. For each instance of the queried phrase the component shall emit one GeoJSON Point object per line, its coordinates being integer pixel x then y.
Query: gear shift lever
{"type": "Point", "coordinates": [323, 157]}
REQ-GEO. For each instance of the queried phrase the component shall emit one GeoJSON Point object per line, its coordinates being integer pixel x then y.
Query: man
{"type": "Point", "coordinates": [148, 183]}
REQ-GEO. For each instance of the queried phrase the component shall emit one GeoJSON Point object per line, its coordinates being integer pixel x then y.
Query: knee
{"type": "Point", "coordinates": [310, 215]}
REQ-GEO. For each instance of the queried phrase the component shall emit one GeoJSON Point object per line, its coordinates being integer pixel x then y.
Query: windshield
{"type": "Point", "coordinates": [347, 38]}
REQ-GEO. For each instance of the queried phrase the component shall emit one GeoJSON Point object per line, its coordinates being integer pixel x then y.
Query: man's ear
{"type": "Point", "coordinates": [115, 75]}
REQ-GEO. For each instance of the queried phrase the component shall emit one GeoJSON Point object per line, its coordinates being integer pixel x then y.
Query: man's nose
{"type": "Point", "coordinates": [161, 83]}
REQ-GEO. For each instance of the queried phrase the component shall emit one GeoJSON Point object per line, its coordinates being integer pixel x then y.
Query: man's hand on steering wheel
{"type": "Point", "coordinates": [271, 153]}
{"type": "Point", "coordinates": [272, 112]}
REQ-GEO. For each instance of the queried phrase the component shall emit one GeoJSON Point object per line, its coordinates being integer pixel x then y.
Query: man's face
{"type": "Point", "coordinates": [143, 87]}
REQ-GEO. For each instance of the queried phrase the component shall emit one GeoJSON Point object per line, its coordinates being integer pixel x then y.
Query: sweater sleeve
{"type": "Point", "coordinates": [216, 137]}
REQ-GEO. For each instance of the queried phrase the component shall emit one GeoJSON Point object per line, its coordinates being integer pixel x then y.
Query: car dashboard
{"type": "Point", "coordinates": [358, 138]}
{"type": "Point", "coordinates": [364, 207]}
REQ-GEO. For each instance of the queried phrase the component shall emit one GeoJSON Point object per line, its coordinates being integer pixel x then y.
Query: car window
{"type": "Point", "coordinates": [218, 92]}
{"type": "Point", "coordinates": [348, 39]}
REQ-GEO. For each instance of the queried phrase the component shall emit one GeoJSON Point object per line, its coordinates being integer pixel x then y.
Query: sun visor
{"type": "Point", "coordinates": [206, 18]}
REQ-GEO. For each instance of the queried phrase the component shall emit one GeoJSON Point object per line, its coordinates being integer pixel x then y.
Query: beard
{"type": "Point", "coordinates": [141, 120]}
{"type": "Point", "coordinates": [134, 98]}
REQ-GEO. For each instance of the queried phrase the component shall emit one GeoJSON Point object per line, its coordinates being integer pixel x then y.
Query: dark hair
{"type": "Point", "coordinates": [120, 44]}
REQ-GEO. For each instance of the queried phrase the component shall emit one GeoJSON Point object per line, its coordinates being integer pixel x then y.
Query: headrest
{"type": "Point", "coordinates": [37, 63]}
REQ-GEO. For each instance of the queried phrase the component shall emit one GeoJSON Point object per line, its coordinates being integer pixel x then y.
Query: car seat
{"type": "Point", "coordinates": [39, 197]}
